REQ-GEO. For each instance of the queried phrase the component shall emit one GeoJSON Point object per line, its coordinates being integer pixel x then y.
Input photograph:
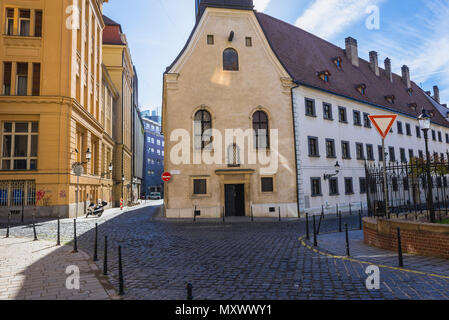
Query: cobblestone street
{"type": "Point", "coordinates": [237, 259]}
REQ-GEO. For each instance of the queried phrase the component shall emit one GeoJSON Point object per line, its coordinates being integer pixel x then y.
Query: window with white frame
{"type": "Point", "coordinates": [9, 21]}
{"type": "Point", "coordinates": [19, 145]}
{"type": "Point", "coordinates": [24, 22]}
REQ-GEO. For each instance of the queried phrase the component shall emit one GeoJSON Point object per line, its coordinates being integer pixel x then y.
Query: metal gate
{"type": "Point", "coordinates": [17, 193]}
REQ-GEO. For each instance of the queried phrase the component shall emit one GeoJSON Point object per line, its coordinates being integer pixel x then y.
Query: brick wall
{"type": "Point", "coordinates": [418, 238]}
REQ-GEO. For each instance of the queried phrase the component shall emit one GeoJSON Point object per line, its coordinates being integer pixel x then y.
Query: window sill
{"type": "Point", "coordinates": [334, 194]}
{"type": "Point", "coordinates": [316, 195]}
{"type": "Point", "coordinates": [344, 122]}
{"type": "Point", "coordinates": [312, 156]}
{"type": "Point", "coordinates": [310, 115]}
{"type": "Point", "coordinates": [328, 119]}
{"type": "Point", "coordinates": [349, 193]}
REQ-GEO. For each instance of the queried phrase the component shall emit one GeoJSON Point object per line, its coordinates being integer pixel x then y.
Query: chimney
{"type": "Point", "coordinates": [374, 62]}
{"type": "Point", "coordinates": [388, 69]}
{"type": "Point", "coordinates": [436, 93]}
{"type": "Point", "coordinates": [406, 76]}
{"type": "Point", "coordinates": [352, 51]}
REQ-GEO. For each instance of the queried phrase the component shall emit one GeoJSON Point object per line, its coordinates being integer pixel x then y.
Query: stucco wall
{"type": "Point", "coordinates": [198, 81]}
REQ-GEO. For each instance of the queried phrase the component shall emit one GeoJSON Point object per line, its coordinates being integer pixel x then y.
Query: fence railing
{"type": "Point", "coordinates": [407, 187]}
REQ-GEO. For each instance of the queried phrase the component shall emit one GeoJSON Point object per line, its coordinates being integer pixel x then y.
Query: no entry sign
{"type": "Point", "coordinates": [166, 176]}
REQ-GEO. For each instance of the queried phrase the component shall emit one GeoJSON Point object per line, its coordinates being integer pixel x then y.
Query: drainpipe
{"type": "Point", "coordinates": [296, 149]}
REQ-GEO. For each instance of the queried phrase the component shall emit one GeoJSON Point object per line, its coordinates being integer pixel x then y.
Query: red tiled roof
{"type": "Point", "coordinates": [304, 55]}
{"type": "Point", "coordinates": [112, 32]}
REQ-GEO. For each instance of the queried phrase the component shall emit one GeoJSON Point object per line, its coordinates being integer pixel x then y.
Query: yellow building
{"type": "Point", "coordinates": [117, 59]}
{"type": "Point", "coordinates": [228, 79]}
{"type": "Point", "coordinates": [56, 106]}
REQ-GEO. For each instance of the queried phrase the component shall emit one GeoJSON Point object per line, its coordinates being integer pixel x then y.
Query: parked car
{"type": "Point", "coordinates": [155, 196]}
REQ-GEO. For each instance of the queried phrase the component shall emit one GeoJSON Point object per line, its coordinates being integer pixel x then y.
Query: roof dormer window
{"type": "Point", "coordinates": [361, 88]}
{"type": "Point", "coordinates": [390, 98]}
{"type": "Point", "coordinates": [413, 106]}
{"type": "Point", "coordinates": [324, 75]}
{"type": "Point", "coordinates": [410, 91]}
{"type": "Point", "coordinates": [338, 62]}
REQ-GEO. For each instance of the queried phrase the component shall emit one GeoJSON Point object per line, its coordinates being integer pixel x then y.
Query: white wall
{"type": "Point", "coordinates": [319, 127]}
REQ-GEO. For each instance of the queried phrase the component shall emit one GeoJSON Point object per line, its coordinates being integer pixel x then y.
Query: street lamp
{"type": "Point", "coordinates": [424, 124]}
{"type": "Point", "coordinates": [337, 171]}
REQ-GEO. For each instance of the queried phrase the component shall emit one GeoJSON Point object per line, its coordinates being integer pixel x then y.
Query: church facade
{"type": "Point", "coordinates": [306, 103]}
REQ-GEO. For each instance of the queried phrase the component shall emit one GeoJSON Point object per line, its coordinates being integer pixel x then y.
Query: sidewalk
{"type": "Point", "coordinates": [335, 244]}
{"type": "Point", "coordinates": [36, 270]}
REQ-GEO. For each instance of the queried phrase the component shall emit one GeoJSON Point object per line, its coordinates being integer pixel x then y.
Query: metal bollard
{"type": "Point", "coordinates": [279, 209]}
{"type": "Point", "coordinates": [96, 243]}
{"type": "Point", "coordinates": [224, 214]}
{"type": "Point", "coordinates": [7, 227]}
{"type": "Point", "coordinates": [58, 240]}
{"type": "Point", "coordinates": [339, 222]}
{"type": "Point", "coordinates": [189, 291]}
{"type": "Point", "coordinates": [194, 214]}
{"type": "Point", "coordinates": [105, 260]}
{"type": "Point", "coordinates": [307, 227]}
{"type": "Point", "coordinates": [360, 220]}
{"type": "Point", "coordinates": [350, 209]}
{"type": "Point", "coordinates": [322, 211]}
{"type": "Point", "coordinates": [34, 229]}
{"type": "Point", "coordinates": [400, 257]}
{"type": "Point", "coordinates": [315, 242]}
{"type": "Point", "coordinates": [252, 216]}
{"type": "Point", "coordinates": [347, 240]}
{"type": "Point", "coordinates": [121, 290]}
{"type": "Point", "coordinates": [75, 242]}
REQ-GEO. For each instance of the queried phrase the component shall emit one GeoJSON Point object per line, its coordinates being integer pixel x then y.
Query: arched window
{"type": "Point", "coordinates": [202, 126]}
{"type": "Point", "coordinates": [233, 155]}
{"type": "Point", "coordinates": [261, 133]}
{"type": "Point", "coordinates": [230, 60]}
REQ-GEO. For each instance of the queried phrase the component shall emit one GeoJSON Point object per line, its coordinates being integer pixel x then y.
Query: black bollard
{"type": "Point", "coordinates": [307, 227]}
{"type": "Point", "coordinates": [194, 214]}
{"type": "Point", "coordinates": [315, 242]}
{"type": "Point", "coordinates": [34, 229]}
{"type": "Point", "coordinates": [401, 259]}
{"type": "Point", "coordinates": [96, 243]}
{"type": "Point", "coordinates": [279, 209]}
{"type": "Point", "coordinates": [339, 222]}
{"type": "Point", "coordinates": [75, 242]}
{"type": "Point", "coordinates": [7, 227]}
{"type": "Point", "coordinates": [58, 240]}
{"type": "Point", "coordinates": [189, 292]}
{"type": "Point", "coordinates": [121, 290]}
{"type": "Point", "coordinates": [105, 260]}
{"type": "Point", "coordinates": [360, 220]}
{"type": "Point", "coordinates": [322, 211]}
{"type": "Point", "coordinates": [350, 209]}
{"type": "Point", "coordinates": [224, 213]}
{"type": "Point", "coordinates": [347, 240]}
{"type": "Point", "coordinates": [252, 216]}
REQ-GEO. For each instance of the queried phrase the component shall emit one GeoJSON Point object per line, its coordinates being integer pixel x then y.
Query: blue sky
{"type": "Point", "coordinates": [411, 32]}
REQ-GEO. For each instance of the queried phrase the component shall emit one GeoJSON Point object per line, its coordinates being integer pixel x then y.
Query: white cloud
{"type": "Point", "coordinates": [261, 5]}
{"type": "Point", "coordinates": [423, 46]}
{"type": "Point", "coordinates": [327, 18]}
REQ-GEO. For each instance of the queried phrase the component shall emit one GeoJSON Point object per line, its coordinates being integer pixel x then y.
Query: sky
{"type": "Point", "coordinates": [410, 32]}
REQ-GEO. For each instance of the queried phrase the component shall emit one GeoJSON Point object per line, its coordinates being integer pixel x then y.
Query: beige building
{"type": "Point", "coordinates": [117, 59]}
{"type": "Point", "coordinates": [55, 106]}
{"type": "Point", "coordinates": [227, 77]}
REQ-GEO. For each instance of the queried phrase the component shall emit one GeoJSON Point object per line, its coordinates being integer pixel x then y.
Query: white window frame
{"type": "Point", "coordinates": [13, 134]}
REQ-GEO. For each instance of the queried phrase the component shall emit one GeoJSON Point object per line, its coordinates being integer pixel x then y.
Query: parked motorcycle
{"type": "Point", "coordinates": [96, 210]}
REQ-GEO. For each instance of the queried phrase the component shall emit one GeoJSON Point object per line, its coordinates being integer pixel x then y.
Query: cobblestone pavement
{"type": "Point", "coordinates": [335, 244]}
{"type": "Point", "coordinates": [37, 270]}
{"type": "Point", "coordinates": [237, 259]}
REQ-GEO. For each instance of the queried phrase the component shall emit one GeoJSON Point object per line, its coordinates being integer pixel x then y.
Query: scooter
{"type": "Point", "coordinates": [96, 210]}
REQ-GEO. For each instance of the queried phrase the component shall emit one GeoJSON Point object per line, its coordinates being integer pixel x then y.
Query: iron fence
{"type": "Point", "coordinates": [407, 185]}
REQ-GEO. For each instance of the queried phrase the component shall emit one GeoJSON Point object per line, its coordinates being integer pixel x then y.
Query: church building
{"type": "Point", "coordinates": [300, 103]}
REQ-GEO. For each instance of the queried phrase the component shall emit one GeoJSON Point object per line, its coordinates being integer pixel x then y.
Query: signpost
{"type": "Point", "coordinates": [383, 125]}
{"type": "Point", "coordinates": [78, 171]}
{"type": "Point", "coordinates": [166, 176]}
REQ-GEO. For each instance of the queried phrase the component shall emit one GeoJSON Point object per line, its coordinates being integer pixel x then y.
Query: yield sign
{"type": "Point", "coordinates": [383, 124]}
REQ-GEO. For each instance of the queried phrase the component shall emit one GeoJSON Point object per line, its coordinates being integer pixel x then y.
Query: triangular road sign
{"type": "Point", "coordinates": [383, 124]}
